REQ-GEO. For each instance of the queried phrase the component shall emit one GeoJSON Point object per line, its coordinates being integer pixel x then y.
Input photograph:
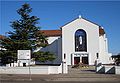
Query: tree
{"type": "Point", "coordinates": [25, 35]}
{"type": "Point", "coordinates": [7, 57]}
{"type": "Point", "coordinates": [117, 59]}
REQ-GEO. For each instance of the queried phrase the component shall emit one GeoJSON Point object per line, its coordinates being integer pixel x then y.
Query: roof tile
{"type": "Point", "coordinates": [51, 32]}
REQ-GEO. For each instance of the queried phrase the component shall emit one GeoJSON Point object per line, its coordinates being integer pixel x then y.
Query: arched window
{"type": "Point", "coordinates": [80, 40]}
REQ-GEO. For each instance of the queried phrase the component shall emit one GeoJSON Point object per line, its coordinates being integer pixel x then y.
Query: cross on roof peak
{"type": "Point", "coordinates": [80, 16]}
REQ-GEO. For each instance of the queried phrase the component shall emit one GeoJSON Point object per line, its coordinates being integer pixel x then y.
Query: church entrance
{"type": "Point", "coordinates": [76, 60]}
{"type": "Point", "coordinates": [85, 60]}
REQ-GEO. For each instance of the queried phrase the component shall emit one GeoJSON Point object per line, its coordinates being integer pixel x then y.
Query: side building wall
{"type": "Point", "coordinates": [104, 55]}
{"type": "Point", "coordinates": [55, 48]}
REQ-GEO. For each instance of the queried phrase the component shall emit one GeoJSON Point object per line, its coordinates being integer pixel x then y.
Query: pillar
{"type": "Point", "coordinates": [72, 59]}
{"type": "Point", "coordinates": [80, 59]}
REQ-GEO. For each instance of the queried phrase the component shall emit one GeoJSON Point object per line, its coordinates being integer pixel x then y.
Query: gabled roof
{"type": "Point", "coordinates": [101, 30]}
{"type": "Point", "coordinates": [81, 18]}
{"type": "Point", "coordinates": [59, 32]}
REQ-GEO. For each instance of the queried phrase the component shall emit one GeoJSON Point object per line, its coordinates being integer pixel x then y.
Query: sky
{"type": "Point", "coordinates": [54, 14]}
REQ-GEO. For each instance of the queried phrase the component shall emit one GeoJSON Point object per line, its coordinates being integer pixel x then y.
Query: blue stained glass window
{"type": "Point", "coordinates": [80, 41]}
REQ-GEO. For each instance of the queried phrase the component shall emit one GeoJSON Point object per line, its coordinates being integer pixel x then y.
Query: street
{"type": "Point", "coordinates": [38, 81]}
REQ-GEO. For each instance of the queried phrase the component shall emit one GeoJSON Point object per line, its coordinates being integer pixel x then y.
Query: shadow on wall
{"type": "Point", "coordinates": [111, 71]}
{"type": "Point", "coordinates": [53, 48]}
{"type": "Point", "coordinates": [104, 69]}
{"type": "Point", "coordinates": [101, 70]}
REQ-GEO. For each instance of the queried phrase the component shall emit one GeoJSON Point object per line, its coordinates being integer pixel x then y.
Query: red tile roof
{"type": "Point", "coordinates": [59, 32]}
{"type": "Point", "coordinates": [2, 37]}
{"type": "Point", "coordinates": [52, 32]}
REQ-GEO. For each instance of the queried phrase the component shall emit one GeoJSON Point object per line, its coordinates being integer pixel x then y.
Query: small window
{"type": "Point", "coordinates": [97, 54]}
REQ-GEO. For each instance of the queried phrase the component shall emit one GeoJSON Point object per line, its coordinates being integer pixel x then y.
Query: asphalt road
{"type": "Point", "coordinates": [38, 81]}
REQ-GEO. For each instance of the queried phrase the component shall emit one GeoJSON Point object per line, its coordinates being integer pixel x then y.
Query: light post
{"type": "Point", "coordinates": [29, 70]}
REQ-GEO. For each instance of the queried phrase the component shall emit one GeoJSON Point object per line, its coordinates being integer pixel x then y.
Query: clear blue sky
{"type": "Point", "coordinates": [55, 14]}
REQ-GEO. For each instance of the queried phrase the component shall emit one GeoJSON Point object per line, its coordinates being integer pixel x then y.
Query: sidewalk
{"type": "Point", "coordinates": [85, 75]}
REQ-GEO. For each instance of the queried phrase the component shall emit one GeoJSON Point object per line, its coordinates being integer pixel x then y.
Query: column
{"type": "Point", "coordinates": [80, 59]}
{"type": "Point", "coordinates": [72, 59]}
{"type": "Point", "coordinates": [64, 65]}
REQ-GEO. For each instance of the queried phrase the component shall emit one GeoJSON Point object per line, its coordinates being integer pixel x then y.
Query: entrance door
{"type": "Point", "coordinates": [85, 60]}
{"type": "Point", "coordinates": [76, 60]}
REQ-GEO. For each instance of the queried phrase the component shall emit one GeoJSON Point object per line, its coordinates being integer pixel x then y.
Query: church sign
{"type": "Point", "coordinates": [24, 55]}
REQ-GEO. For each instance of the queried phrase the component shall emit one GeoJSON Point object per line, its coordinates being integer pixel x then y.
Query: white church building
{"type": "Point", "coordinates": [78, 41]}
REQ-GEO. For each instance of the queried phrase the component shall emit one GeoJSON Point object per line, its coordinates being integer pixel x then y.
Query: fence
{"type": "Point", "coordinates": [31, 70]}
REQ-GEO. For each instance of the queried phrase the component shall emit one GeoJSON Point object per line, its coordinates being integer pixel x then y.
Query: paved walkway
{"type": "Point", "coordinates": [85, 74]}
{"type": "Point", "coordinates": [74, 75]}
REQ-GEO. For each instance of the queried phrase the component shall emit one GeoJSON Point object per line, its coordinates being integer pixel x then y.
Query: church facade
{"type": "Point", "coordinates": [79, 41]}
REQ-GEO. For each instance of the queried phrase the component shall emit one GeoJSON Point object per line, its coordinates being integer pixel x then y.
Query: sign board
{"type": "Point", "coordinates": [24, 54]}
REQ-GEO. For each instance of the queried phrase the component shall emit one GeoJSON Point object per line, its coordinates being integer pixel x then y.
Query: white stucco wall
{"type": "Point", "coordinates": [104, 56]}
{"type": "Point", "coordinates": [68, 33]}
{"type": "Point", "coordinates": [52, 39]}
{"type": "Point", "coordinates": [32, 70]}
{"type": "Point", "coordinates": [103, 43]}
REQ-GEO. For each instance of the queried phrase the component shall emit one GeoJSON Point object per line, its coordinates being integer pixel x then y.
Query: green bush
{"type": "Point", "coordinates": [8, 57]}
